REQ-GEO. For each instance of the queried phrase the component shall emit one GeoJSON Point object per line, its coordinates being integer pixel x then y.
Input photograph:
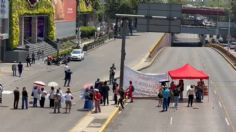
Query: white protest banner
{"type": "Point", "coordinates": [145, 85]}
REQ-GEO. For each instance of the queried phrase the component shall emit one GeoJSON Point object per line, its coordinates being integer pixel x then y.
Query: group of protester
{"type": "Point", "coordinates": [39, 95]}
{"type": "Point", "coordinates": [175, 93]}
{"type": "Point", "coordinates": [99, 94]}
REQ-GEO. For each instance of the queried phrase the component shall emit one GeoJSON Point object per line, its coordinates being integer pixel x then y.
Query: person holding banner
{"type": "Point", "coordinates": [130, 91]}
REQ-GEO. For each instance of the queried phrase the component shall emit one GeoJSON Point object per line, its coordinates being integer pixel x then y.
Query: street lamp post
{"type": "Point", "coordinates": [123, 53]}
{"type": "Point", "coordinates": [229, 31]}
{"type": "Point", "coordinates": [78, 38]}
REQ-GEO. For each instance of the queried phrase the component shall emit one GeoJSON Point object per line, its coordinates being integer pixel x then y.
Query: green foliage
{"type": "Point", "coordinates": [87, 31]}
{"type": "Point", "coordinates": [19, 8]}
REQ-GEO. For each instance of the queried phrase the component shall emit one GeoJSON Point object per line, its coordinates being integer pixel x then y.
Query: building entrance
{"type": "Point", "coordinates": [33, 29]}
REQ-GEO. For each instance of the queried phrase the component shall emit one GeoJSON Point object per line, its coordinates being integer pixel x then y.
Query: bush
{"type": "Point", "coordinates": [87, 31]}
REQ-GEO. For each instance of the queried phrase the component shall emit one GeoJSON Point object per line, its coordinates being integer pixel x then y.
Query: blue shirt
{"type": "Point", "coordinates": [166, 93]}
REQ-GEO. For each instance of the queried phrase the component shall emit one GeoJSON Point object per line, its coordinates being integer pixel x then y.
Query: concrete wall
{"type": "Point", "coordinates": [65, 29]}
{"type": "Point", "coordinates": [16, 55]}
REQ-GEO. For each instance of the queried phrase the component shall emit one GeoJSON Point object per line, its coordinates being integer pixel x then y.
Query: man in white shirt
{"type": "Point", "coordinates": [68, 100]}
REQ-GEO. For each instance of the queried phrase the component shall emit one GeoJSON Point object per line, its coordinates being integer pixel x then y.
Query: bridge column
{"type": "Point", "coordinates": [172, 38]}
{"type": "Point", "coordinates": [202, 38]}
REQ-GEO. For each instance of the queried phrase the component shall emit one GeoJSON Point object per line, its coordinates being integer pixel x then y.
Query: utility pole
{"type": "Point", "coordinates": [229, 30]}
{"type": "Point", "coordinates": [123, 53]}
{"type": "Point", "coordinates": [77, 31]}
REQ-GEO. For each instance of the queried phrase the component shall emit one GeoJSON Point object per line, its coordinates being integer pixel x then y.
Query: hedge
{"type": "Point", "coordinates": [87, 31]}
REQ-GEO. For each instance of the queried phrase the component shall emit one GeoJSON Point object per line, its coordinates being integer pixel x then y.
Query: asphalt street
{"type": "Point", "coordinates": [96, 64]}
{"type": "Point", "coordinates": [216, 115]}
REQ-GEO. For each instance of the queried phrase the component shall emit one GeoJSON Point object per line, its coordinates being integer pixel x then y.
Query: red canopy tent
{"type": "Point", "coordinates": [187, 72]}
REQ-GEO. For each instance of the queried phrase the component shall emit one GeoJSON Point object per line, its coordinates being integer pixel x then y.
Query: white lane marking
{"type": "Point", "coordinates": [227, 121]}
{"type": "Point", "coordinates": [171, 121]}
{"type": "Point", "coordinates": [7, 92]}
{"type": "Point", "coordinates": [220, 104]}
{"type": "Point", "coordinates": [215, 92]}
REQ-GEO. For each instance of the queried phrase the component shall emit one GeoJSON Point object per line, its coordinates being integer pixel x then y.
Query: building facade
{"type": "Point", "coordinates": [33, 22]}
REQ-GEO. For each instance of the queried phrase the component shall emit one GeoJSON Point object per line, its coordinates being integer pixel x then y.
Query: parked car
{"type": "Point", "coordinates": [232, 45]}
{"type": "Point", "coordinates": [77, 54]}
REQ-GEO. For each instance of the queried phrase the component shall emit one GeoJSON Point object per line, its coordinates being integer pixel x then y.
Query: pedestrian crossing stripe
{"type": "Point", "coordinates": [7, 92]}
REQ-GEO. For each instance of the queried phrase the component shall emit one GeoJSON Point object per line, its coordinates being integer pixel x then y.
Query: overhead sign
{"type": "Point", "coordinates": [145, 84]}
{"type": "Point", "coordinates": [159, 18]}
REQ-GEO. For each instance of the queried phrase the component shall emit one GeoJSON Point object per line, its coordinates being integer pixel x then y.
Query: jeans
{"type": "Point", "coordinates": [57, 107]}
{"type": "Point", "coordinates": [24, 102]}
{"type": "Point", "coordinates": [190, 100]}
{"type": "Point", "coordinates": [176, 99]}
{"type": "Point", "coordinates": [67, 81]}
{"type": "Point", "coordinates": [14, 72]}
{"type": "Point", "coordinates": [16, 101]}
{"type": "Point", "coordinates": [105, 98]}
{"type": "Point", "coordinates": [165, 104]}
{"type": "Point", "coordinates": [115, 99]}
{"type": "Point", "coordinates": [35, 102]}
{"type": "Point", "coordinates": [42, 101]}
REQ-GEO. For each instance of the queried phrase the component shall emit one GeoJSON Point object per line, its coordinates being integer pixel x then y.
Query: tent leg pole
{"type": "Point", "coordinates": [208, 90]}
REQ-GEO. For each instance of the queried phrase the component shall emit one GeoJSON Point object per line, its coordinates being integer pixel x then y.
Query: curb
{"type": "Point", "coordinates": [109, 120]}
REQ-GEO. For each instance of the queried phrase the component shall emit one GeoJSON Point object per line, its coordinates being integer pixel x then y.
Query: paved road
{"type": "Point", "coordinates": [96, 64]}
{"type": "Point", "coordinates": [217, 115]}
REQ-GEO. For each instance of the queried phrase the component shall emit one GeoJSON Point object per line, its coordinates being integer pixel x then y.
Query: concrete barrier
{"type": "Point", "coordinates": [163, 42]}
{"type": "Point", "coordinates": [224, 51]}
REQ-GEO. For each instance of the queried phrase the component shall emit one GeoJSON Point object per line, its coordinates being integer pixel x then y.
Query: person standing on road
{"type": "Point", "coordinates": [166, 95]}
{"type": "Point", "coordinates": [20, 68]}
{"type": "Point", "coordinates": [97, 84]}
{"type": "Point", "coordinates": [67, 78]}
{"type": "Point", "coordinates": [42, 55]}
{"type": "Point", "coordinates": [130, 91]}
{"type": "Point", "coordinates": [43, 96]}
{"type": "Point", "coordinates": [190, 94]}
{"type": "Point", "coordinates": [33, 58]}
{"type": "Point", "coordinates": [105, 91]}
{"type": "Point", "coordinates": [28, 60]}
{"type": "Point", "coordinates": [122, 97]}
{"type": "Point", "coordinates": [38, 54]}
{"type": "Point", "coordinates": [16, 97]}
{"type": "Point", "coordinates": [112, 73]}
{"type": "Point", "coordinates": [24, 98]}
{"type": "Point", "coordinates": [13, 67]}
{"type": "Point", "coordinates": [66, 68]}
{"type": "Point", "coordinates": [97, 99]}
{"type": "Point", "coordinates": [68, 100]}
{"type": "Point", "coordinates": [36, 96]}
{"type": "Point", "coordinates": [116, 92]}
{"type": "Point", "coordinates": [51, 97]}
{"type": "Point", "coordinates": [1, 90]}
{"type": "Point", "coordinates": [160, 96]}
{"type": "Point", "coordinates": [57, 101]}
{"type": "Point", "coordinates": [181, 88]}
{"type": "Point", "coordinates": [176, 97]}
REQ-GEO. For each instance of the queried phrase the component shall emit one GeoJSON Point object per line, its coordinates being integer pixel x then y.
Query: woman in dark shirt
{"type": "Point", "coordinates": [24, 98]}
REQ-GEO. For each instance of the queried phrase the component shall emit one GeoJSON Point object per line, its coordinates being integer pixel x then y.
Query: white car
{"type": "Point", "coordinates": [77, 54]}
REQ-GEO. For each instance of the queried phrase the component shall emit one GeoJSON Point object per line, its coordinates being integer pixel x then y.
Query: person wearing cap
{"type": "Point", "coordinates": [97, 98]}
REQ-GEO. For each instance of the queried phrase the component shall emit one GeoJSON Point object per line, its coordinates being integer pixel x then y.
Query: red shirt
{"type": "Point", "coordinates": [98, 96]}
